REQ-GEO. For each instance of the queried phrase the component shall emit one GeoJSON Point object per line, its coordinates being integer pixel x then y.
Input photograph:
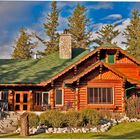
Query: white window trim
{"type": "Point", "coordinates": [102, 103]}
{"type": "Point", "coordinates": [48, 97]}
{"type": "Point", "coordinates": [62, 97]}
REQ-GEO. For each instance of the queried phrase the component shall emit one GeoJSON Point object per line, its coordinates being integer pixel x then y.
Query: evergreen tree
{"type": "Point", "coordinates": [107, 34]}
{"type": "Point", "coordinates": [78, 26]}
{"type": "Point", "coordinates": [50, 28]}
{"type": "Point", "coordinates": [23, 47]}
{"type": "Point", "coordinates": [132, 35]}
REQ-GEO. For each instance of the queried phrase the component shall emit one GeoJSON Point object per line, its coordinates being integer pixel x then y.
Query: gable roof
{"type": "Point", "coordinates": [45, 70]}
{"type": "Point", "coordinates": [89, 69]}
{"type": "Point", "coordinates": [86, 57]}
{"type": "Point", "coordinates": [97, 64]}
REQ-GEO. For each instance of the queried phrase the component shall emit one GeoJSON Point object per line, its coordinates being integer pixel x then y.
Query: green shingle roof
{"type": "Point", "coordinates": [35, 71]}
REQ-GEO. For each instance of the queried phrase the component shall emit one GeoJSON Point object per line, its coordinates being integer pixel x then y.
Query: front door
{"type": "Point", "coordinates": [22, 101]}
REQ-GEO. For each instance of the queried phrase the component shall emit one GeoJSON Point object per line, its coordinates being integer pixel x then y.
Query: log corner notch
{"type": "Point", "coordinates": [98, 55]}
{"type": "Point", "coordinates": [75, 70]}
{"type": "Point", "coordinates": [77, 101]}
{"type": "Point", "coordinates": [52, 95]}
{"type": "Point", "coordinates": [117, 55]}
{"type": "Point", "coordinates": [101, 70]}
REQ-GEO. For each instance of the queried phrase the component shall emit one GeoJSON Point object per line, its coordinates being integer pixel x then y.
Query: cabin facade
{"type": "Point", "coordinates": [100, 80]}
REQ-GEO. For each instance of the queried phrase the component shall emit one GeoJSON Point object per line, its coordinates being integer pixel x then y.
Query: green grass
{"type": "Point", "coordinates": [35, 71]}
{"type": "Point", "coordinates": [121, 131]}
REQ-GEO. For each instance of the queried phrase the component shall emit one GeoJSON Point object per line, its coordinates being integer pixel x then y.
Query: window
{"type": "Point", "coordinates": [24, 107]}
{"type": "Point", "coordinates": [17, 98]}
{"type": "Point", "coordinates": [37, 98]}
{"type": "Point", "coordinates": [25, 98]}
{"type": "Point", "coordinates": [45, 98]}
{"type": "Point", "coordinates": [58, 97]}
{"type": "Point", "coordinates": [100, 95]}
{"type": "Point", "coordinates": [111, 58]}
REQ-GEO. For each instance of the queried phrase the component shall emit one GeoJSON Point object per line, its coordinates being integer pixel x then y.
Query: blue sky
{"type": "Point", "coordinates": [32, 15]}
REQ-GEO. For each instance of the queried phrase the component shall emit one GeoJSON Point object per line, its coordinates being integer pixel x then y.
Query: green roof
{"type": "Point", "coordinates": [35, 70]}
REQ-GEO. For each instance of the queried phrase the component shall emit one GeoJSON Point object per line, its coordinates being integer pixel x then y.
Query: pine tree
{"type": "Point", "coordinates": [23, 47]}
{"type": "Point", "coordinates": [106, 35]}
{"type": "Point", "coordinates": [132, 35]}
{"type": "Point", "coordinates": [78, 26]}
{"type": "Point", "coordinates": [51, 28]}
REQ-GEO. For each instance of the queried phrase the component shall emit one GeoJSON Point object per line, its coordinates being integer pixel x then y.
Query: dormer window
{"type": "Point", "coordinates": [110, 58]}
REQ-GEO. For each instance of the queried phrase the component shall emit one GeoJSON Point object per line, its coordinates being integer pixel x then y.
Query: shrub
{"type": "Point", "coordinates": [44, 118]}
{"type": "Point", "coordinates": [133, 107]}
{"type": "Point", "coordinates": [33, 120]}
{"type": "Point", "coordinates": [73, 118]}
{"type": "Point", "coordinates": [53, 118]}
{"type": "Point", "coordinates": [89, 117]}
{"type": "Point", "coordinates": [106, 114]}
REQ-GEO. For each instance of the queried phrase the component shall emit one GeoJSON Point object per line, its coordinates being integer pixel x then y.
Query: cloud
{"type": "Point", "coordinates": [121, 27]}
{"type": "Point", "coordinates": [101, 5]}
{"type": "Point", "coordinates": [113, 16]}
{"type": "Point", "coordinates": [120, 38]}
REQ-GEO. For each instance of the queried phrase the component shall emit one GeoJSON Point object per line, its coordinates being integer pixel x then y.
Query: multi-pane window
{"type": "Point", "coordinates": [37, 98]}
{"type": "Point", "coordinates": [58, 97]}
{"type": "Point", "coordinates": [100, 95]}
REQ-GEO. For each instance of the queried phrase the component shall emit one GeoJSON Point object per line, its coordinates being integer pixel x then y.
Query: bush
{"type": "Point", "coordinates": [33, 120]}
{"type": "Point", "coordinates": [106, 114]}
{"type": "Point", "coordinates": [53, 118]}
{"type": "Point", "coordinates": [44, 119]}
{"type": "Point", "coordinates": [73, 118]}
{"type": "Point", "coordinates": [133, 107]}
{"type": "Point", "coordinates": [89, 117]}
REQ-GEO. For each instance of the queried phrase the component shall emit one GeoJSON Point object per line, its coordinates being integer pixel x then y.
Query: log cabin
{"type": "Point", "coordinates": [98, 79]}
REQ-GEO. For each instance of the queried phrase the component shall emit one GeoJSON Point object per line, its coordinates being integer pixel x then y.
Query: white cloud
{"type": "Point", "coordinates": [101, 5]}
{"type": "Point", "coordinates": [113, 16]}
{"type": "Point", "coordinates": [121, 27]}
{"type": "Point", "coordinates": [120, 38]}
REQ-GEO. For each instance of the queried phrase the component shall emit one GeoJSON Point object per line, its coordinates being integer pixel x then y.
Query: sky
{"type": "Point", "coordinates": [32, 15]}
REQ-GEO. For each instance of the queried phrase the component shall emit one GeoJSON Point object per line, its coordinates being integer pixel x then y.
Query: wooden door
{"type": "Point", "coordinates": [22, 101]}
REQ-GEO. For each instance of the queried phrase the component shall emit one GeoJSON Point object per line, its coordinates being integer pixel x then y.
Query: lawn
{"type": "Point", "coordinates": [126, 130]}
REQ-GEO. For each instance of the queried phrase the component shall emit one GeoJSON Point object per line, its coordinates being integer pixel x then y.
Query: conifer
{"type": "Point", "coordinates": [78, 26]}
{"type": "Point", "coordinates": [106, 35]}
{"type": "Point", "coordinates": [23, 47]}
{"type": "Point", "coordinates": [132, 35]}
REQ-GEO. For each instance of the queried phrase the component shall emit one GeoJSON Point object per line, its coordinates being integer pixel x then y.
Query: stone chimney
{"type": "Point", "coordinates": [65, 46]}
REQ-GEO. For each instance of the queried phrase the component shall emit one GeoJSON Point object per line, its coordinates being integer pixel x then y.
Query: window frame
{"type": "Point", "coordinates": [102, 96]}
{"type": "Point", "coordinates": [62, 97]}
{"type": "Point", "coordinates": [47, 92]}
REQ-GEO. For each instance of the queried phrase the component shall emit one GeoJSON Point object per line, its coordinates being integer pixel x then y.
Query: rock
{"type": "Point", "coordinates": [18, 130]}
{"type": "Point", "coordinates": [83, 130]}
{"type": "Point", "coordinates": [40, 130]}
{"type": "Point", "coordinates": [46, 131]}
{"type": "Point", "coordinates": [94, 129]}
{"type": "Point", "coordinates": [50, 130]}
{"type": "Point", "coordinates": [55, 130]}
{"type": "Point", "coordinates": [102, 130]}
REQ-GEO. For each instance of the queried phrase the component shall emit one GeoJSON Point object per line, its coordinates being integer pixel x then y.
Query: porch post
{"type": "Point", "coordinates": [123, 95]}
{"type": "Point", "coordinates": [52, 98]}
